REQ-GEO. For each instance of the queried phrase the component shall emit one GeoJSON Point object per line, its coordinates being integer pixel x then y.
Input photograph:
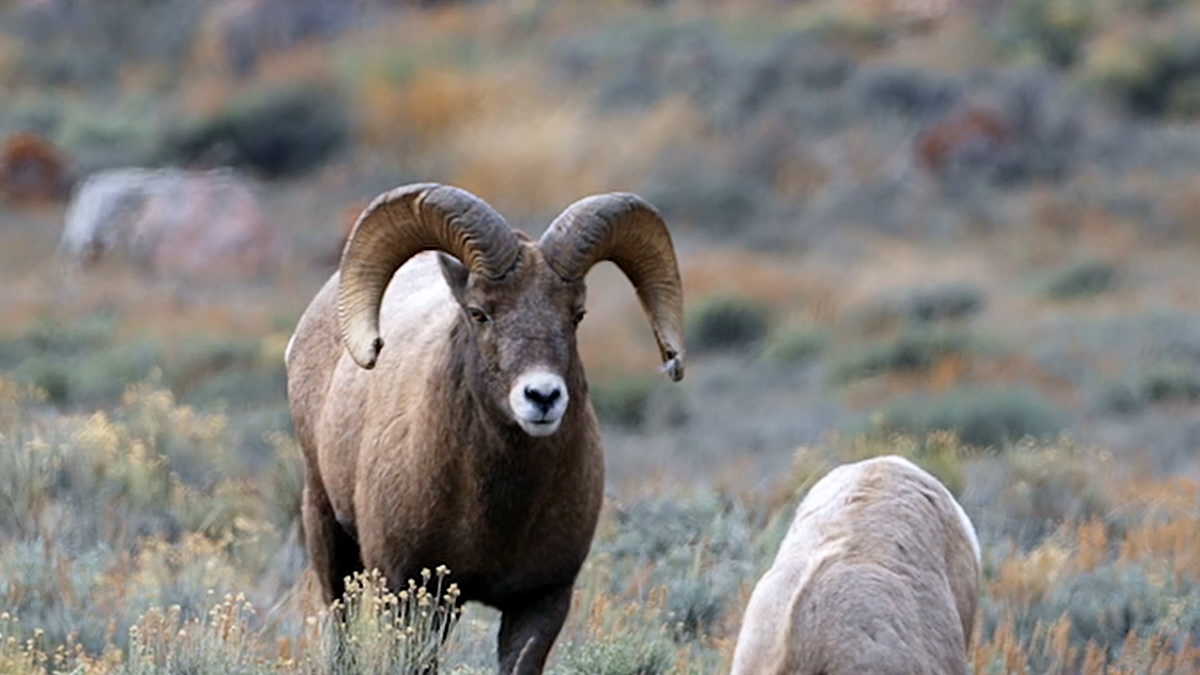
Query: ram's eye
{"type": "Point", "coordinates": [478, 315]}
{"type": "Point", "coordinates": [579, 313]}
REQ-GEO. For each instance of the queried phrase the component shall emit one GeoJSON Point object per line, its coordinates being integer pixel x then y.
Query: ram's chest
{"type": "Point", "coordinates": [527, 521]}
{"type": "Point", "coordinates": [500, 538]}
{"type": "Point", "coordinates": [521, 550]}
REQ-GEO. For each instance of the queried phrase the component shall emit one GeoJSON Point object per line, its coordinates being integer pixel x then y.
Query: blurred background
{"type": "Point", "coordinates": [895, 219]}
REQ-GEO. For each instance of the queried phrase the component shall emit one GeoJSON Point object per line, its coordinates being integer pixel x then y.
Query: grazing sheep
{"type": "Point", "coordinates": [174, 222]}
{"type": "Point", "coordinates": [878, 574]}
{"type": "Point", "coordinates": [469, 441]}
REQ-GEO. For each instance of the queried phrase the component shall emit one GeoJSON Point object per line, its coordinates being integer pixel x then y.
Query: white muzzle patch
{"type": "Point", "coordinates": [538, 400]}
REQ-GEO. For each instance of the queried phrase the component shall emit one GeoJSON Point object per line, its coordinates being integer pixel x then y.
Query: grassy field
{"type": "Point", "coordinates": [1020, 319]}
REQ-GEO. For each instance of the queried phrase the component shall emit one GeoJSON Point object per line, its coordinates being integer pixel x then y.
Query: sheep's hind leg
{"type": "Point", "coordinates": [528, 631]}
{"type": "Point", "coordinates": [333, 552]}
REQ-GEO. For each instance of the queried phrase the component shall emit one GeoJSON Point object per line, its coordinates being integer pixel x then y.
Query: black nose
{"type": "Point", "coordinates": [543, 398]}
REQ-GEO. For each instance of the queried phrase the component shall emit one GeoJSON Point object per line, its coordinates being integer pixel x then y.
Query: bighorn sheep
{"type": "Point", "coordinates": [878, 574]}
{"type": "Point", "coordinates": [469, 441]}
{"type": "Point", "coordinates": [189, 225]}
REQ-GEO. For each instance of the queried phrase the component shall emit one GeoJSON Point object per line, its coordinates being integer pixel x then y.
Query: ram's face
{"type": "Point", "coordinates": [523, 331]}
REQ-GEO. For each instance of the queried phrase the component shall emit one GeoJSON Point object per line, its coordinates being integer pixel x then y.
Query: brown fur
{"type": "Point", "coordinates": [878, 575]}
{"type": "Point", "coordinates": [418, 463]}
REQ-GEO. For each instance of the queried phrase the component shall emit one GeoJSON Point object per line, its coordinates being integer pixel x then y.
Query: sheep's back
{"type": "Point", "coordinates": [333, 397]}
{"type": "Point", "coordinates": [878, 573]}
{"type": "Point", "coordinates": [879, 619]}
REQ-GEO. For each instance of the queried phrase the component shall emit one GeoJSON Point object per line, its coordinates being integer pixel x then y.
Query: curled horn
{"type": "Point", "coordinates": [624, 228]}
{"type": "Point", "coordinates": [396, 226]}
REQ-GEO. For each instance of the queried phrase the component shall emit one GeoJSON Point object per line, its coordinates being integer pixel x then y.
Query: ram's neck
{"type": "Point", "coordinates": [470, 419]}
{"type": "Point", "coordinates": [501, 464]}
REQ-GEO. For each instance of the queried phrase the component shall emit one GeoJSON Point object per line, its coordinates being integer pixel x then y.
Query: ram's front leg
{"type": "Point", "coordinates": [528, 630]}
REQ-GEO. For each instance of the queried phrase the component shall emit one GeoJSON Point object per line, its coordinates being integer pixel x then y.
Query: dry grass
{"type": "Point", "coordinates": [174, 599]}
{"type": "Point", "coordinates": [541, 155]}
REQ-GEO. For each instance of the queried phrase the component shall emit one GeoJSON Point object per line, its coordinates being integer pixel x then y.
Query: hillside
{"type": "Point", "coordinates": [975, 217]}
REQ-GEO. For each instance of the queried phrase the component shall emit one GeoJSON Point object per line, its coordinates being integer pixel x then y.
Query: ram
{"type": "Point", "coordinates": [877, 575]}
{"type": "Point", "coordinates": [441, 406]}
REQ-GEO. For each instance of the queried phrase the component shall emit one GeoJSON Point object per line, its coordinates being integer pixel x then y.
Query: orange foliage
{"type": "Point", "coordinates": [1092, 545]}
{"type": "Point", "coordinates": [431, 104]}
{"type": "Point", "coordinates": [962, 369]}
{"type": "Point", "coordinates": [784, 283]}
{"type": "Point", "coordinates": [1051, 645]}
{"type": "Point", "coordinates": [32, 170]}
{"type": "Point", "coordinates": [537, 154]}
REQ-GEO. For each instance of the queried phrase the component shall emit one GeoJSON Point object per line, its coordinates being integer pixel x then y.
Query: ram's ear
{"type": "Point", "coordinates": [456, 276]}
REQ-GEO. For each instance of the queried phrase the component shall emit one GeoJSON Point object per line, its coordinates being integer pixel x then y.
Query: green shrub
{"type": "Point", "coordinates": [634, 401]}
{"type": "Point", "coordinates": [694, 606]}
{"type": "Point", "coordinates": [124, 479]}
{"type": "Point", "coordinates": [914, 350]}
{"type": "Point", "coordinates": [841, 24]}
{"type": "Point", "coordinates": [904, 91]}
{"type": "Point", "coordinates": [944, 303]}
{"type": "Point", "coordinates": [49, 336]}
{"type": "Point", "coordinates": [726, 323]}
{"type": "Point", "coordinates": [78, 363]}
{"type": "Point", "coordinates": [94, 378]}
{"type": "Point", "coordinates": [795, 345]}
{"type": "Point", "coordinates": [699, 190]}
{"type": "Point", "coordinates": [984, 418]}
{"type": "Point", "coordinates": [657, 527]}
{"type": "Point", "coordinates": [41, 113]}
{"type": "Point", "coordinates": [1053, 30]}
{"type": "Point", "coordinates": [1151, 72]}
{"type": "Point", "coordinates": [84, 363]}
{"type": "Point", "coordinates": [239, 387]}
{"type": "Point", "coordinates": [937, 304]}
{"type": "Point", "coordinates": [98, 140]}
{"type": "Point", "coordinates": [87, 46]}
{"type": "Point", "coordinates": [1106, 607]}
{"type": "Point", "coordinates": [622, 401]}
{"type": "Point", "coordinates": [628, 655]}
{"type": "Point", "coordinates": [1162, 383]}
{"type": "Point", "coordinates": [700, 548]}
{"type": "Point", "coordinates": [1081, 280]}
{"type": "Point", "coordinates": [276, 133]}
{"type": "Point", "coordinates": [284, 483]}
{"type": "Point", "coordinates": [1170, 382]}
